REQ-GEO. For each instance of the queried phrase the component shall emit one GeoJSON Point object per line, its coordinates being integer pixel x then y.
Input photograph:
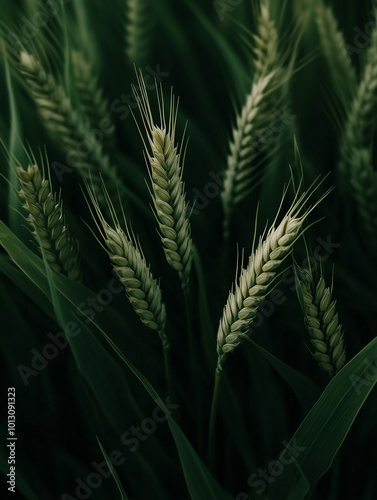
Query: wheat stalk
{"type": "Point", "coordinates": [168, 192]}
{"type": "Point", "coordinates": [94, 107]}
{"type": "Point", "coordinates": [322, 323]}
{"type": "Point", "coordinates": [65, 124]}
{"type": "Point", "coordinates": [333, 44]}
{"type": "Point", "coordinates": [255, 281]}
{"type": "Point", "coordinates": [47, 220]}
{"type": "Point", "coordinates": [268, 92]}
{"type": "Point", "coordinates": [138, 30]}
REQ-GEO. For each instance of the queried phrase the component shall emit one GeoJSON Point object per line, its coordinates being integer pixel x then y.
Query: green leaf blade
{"type": "Point", "coordinates": [324, 429]}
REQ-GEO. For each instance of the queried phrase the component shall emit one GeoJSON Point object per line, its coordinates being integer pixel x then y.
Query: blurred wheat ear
{"type": "Point", "coordinates": [268, 94]}
{"type": "Point", "coordinates": [361, 112]}
{"type": "Point", "coordinates": [93, 104]}
{"type": "Point", "coordinates": [139, 27]}
{"type": "Point", "coordinates": [342, 72]}
{"type": "Point", "coordinates": [355, 166]}
{"type": "Point", "coordinates": [66, 125]}
{"type": "Point", "coordinates": [363, 180]}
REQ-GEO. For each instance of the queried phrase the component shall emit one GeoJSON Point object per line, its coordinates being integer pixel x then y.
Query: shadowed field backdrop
{"type": "Point", "coordinates": [188, 216]}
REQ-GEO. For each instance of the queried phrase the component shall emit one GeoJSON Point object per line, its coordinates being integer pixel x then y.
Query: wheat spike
{"type": "Point", "coordinates": [355, 164]}
{"type": "Point", "coordinates": [138, 30]}
{"type": "Point", "coordinates": [363, 180]}
{"type": "Point", "coordinates": [322, 323]}
{"type": "Point", "coordinates": [255, 281]}
{"type": "Point", "coordinates": [268, 92]}
{"type": "Point", "coordinates": [66, 125]}
{"type": "Point", "coordinates": [129, 263]}
{"type": "Point", "coordinates": [94, 107]}
{"type": "Point", "coordinates": [46, 217]}
{"type": "Point", "coordinates": [361, 115]}
{"type": "Point", "coordinates": [168, 192]}
{"type": "Point", "coordinates": [266, 49]}
{"type": "Point", "coordinates": [333, 44]}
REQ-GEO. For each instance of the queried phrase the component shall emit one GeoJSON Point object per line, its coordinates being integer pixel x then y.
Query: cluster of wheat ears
{"type": "Point", "coordinates": [274, 65]}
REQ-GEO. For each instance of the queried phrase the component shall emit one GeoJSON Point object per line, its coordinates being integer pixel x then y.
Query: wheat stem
{"type": "Point", "coordinates": [167, 367]}
{"type": "Point", "coordinates": [212, 422]}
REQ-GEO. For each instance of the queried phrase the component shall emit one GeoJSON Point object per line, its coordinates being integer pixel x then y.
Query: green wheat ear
{"type": "Point", "coordinates": [168, 190]}
{"type": "Point", "coordinates": [256, 279]}
{"type": "Point", "coordinates": [356, 164]}
{"type": "Point", "coordinates": [342, 72]}
{"type": "Point", "coordinates": [129, 263]}
{"type": "Point", "coordinates": [95, 108]}
{"type": "Point", "coordinates": [138, 30]}
{"type": "Point", "coordinates": [45, 215]}
{"type": "Point", "coordinates": [64, 123]}
{"type": "Point", "coordinates": [322, 322]}
{"type": "Point", "coordinates": [361, 117]}
{"type": "Point", "coordinates": [363, 180]}
{"type": "Point", "coordinates": [268, 93]}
